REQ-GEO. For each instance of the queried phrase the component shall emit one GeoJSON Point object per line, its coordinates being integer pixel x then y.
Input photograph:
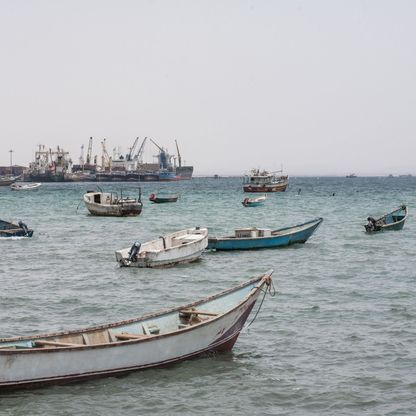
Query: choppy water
{"type": "Point", "coordinates": [339, 337]}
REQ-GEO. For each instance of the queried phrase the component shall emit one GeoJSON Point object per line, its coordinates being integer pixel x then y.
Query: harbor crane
{"type": "Point", "coordinates": [179, 155]}
{"type": "Point", "coordinates": [105, 158]}
{"type": "Point", "coordinates": [89, 151]}
{"type": "Point", "coordinates": [139, 154]}
{"type": "Point", "coordinates": [128, 156]}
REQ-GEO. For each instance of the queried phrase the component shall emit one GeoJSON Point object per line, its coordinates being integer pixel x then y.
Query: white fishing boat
{"type": "Point", "coordinates": [110, 204]}
{"type": "Point", "coordinates": [179, 247]}
{"type": "Point", "coordinates": [157, 339]}
{"type": "Point", "coordinates": [8, 180]}
{"type": "Point", "coordinates": [22, 186]}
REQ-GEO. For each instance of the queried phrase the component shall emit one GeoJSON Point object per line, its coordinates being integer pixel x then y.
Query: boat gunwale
{"type": "Point", "coordinates": [318, 221]}
{"type": "Point", "coordinates": [262, 279]}
{"type": "Point", "coordinates": [393, 224]}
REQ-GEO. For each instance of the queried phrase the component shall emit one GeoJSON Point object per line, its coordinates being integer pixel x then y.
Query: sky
{"type": "Point", "coordinates": [316, 87]}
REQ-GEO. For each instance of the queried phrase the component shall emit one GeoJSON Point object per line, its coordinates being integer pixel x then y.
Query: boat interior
{"type": "Point", "coordinates": [142, 328]}
{"type": "Point", "coordinates": [170, 241]}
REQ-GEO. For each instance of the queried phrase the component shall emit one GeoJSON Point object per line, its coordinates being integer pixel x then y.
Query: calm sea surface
{"type": "Point", "coordinates": [338, 338]}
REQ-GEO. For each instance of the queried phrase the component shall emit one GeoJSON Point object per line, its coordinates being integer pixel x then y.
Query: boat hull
{"type": "Point", "coordinates": [157, 257]}
{"type": "Point", "coordinates": [36, 367]}
{"type": "Point", "coordinates": [299, 236]}
{"type": "Point", "coordinates": [280, 187]}
{"type": "Point", "coordinates": [393, 221]}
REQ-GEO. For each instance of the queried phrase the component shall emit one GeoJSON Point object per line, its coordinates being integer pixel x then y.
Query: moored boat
{"type": "Point", "coordinates": [109, 204]}
{"type": "Point", "coordinates": [10, 229]}
{"type": "Point", "coordinates": [179, 247]}
{"type": "Point", "coordinates": [392, 221]}
{"type": "Point", "coordinates": [254, 238]}
{"type": "Point", "coordinates": [264, 181]}
{"type": "Point", "coordinates": [254, 202]}
{"type": "Point", "coordinates": [212, 324]}
{"type": "Point", "coordinates": [161, 199]}
{"type": "Point", "coordinates": [21, 186]}
{"type": "Point", "coordinates": [8, 180]}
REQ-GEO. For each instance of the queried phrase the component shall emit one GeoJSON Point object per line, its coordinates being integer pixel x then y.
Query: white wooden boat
{"type": "Point", "coordinates": [8, 180]}
{"type": "Point", "coordinates": [254, 202]}
{"type": "Point", "coordinates": [109, 204]}
{"type": "Point", "coordinates": [210, 325]}
{"type": "Point", "coordinates": [21, 186]}
{"type": "Point", "coordinates": [182, 246]}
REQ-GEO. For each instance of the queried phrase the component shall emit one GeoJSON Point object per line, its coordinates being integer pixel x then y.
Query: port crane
{"type": "Point", "coordinates": [105, 158]}
{"type": "Point", "coordinates": [89, 151]}
{"type": "Point", "coordinates": [139, 154]}
{"type": "Point", "coordinates": [179, 155]}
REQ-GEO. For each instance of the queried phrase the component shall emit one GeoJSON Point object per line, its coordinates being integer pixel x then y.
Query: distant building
{"type": "Point", "coordinates": [13, 170]}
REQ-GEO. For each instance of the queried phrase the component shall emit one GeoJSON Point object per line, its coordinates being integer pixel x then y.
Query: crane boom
{"type": "Point", "coordinates": [89, 151]}
{"type": "Point", "coordinates": [139, 154]}
{"type": "Point", "coordinates": [179, 155]}
{"type": "Point", "coordinates": [157, 145]}
{"type": "Point", "coordinates": [132, 149]}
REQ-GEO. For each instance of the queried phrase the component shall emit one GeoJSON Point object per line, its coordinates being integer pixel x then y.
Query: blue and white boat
{"type": "Point", "coordinates": [254, 202]}
{"type": "Point", "coordinates": [254, 238]}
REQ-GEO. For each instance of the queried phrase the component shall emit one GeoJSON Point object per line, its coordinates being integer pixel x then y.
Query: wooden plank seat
{"type": "Point", "coordinates": [125, 336]}
{"type": "Point", "coordinates": [44, 343]}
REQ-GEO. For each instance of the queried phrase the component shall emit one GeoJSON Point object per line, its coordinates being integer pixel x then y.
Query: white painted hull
{"type": "Point", "coordinates": [30, 367]}
{"type": "Point", "coordinates": [108, 207]}
{"type": "Point", "coordinates": [152, 254]}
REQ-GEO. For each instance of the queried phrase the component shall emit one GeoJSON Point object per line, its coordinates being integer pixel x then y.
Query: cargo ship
{"type": "Point", "coordinates": [49, 165]}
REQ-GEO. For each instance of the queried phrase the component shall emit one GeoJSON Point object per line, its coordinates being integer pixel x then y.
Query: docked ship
{"type": "Point", "coordinates": [49, 165]}
{"type": "Point", "coordinates": [264, 181]}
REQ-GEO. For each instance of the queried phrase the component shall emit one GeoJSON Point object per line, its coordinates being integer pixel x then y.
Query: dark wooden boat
{"type": "Point", "coordinates": [392, 221]}
{"type": "Point", "coordinates": [10, 229]}
{"type": "Point", "coordinates": [163, 199]}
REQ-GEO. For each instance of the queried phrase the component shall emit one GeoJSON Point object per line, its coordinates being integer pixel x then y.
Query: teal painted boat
{"type": "Point", "coordinates": [254, 202]}
{"type": "Point", "coordinates": [392, 221]}
{"type": "Point", "coordinates": [254, 238]}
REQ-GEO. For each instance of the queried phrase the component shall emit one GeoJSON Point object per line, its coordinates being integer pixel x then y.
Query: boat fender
{"type": "Point", "coordinates": [152, 197]}
{"type": "Point", "coordinates": [134, 250]}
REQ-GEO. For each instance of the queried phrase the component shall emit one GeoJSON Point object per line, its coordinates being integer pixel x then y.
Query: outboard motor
{"type": "Point", "coordinates": [23, 226]}
{"type": "Point", "coordinates": [135, 248]}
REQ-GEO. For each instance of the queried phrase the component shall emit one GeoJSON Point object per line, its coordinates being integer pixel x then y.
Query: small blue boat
{"type": "Point", "coordinates": [253, 238]}
{"type": "Point", "coordinates": [254, 202]}
{"type": "Point", "coordinates": [392, 221]}
{"type": "Point", "coordinates": [10, 229]}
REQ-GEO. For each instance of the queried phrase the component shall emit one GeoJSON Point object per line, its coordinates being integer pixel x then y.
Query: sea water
{"type": "Point", "coordinates": [338, 337]}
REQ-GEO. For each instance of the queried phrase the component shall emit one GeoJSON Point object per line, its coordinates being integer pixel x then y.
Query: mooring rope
{"type": "Point", "coordinates": [272, 292]}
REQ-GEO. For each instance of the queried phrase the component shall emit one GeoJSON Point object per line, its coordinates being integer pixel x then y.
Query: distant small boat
{"type": "Point", "coordinates": [207, 326]}
{"type": "Point", "coordinates": [253, 238]}
{"type": "Point", "coordinates": [391, 221]}
{"type": "Point", "coordinates": [10, 229]}
{"type": "Point", "coordinates": [163, 199]}
{"type": "Point", "coordinates": [351, 175]}
{"type": "Point", "coordinates": [109, 204]}
{"type": "Point", "coordinates": [21, 186]}
{"type": "Point", "coordinates": [8, 180]}
{"type": "Point", "coordinates": [182, 246]}
{"type": "Point", "coordinates": [254, 202]}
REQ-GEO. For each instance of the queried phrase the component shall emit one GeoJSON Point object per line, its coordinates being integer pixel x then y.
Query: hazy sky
{"type": "Point", "coordinates": [320, 87]}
